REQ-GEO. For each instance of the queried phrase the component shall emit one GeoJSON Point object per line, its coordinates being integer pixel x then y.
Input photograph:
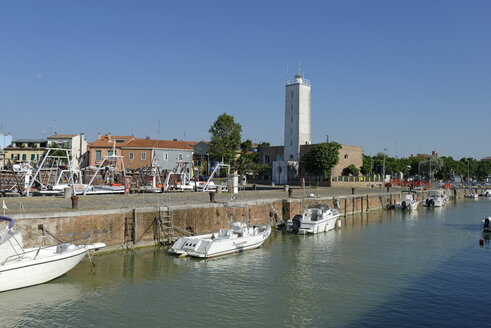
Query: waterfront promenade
{"type": "Point", "coordinates": [49, 204]}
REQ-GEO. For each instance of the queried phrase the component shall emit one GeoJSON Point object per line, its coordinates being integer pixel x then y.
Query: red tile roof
{"type": "Point", "coordinates": [162, 144]}
{"type": "Point", "coordinates": [105, 142]}
{"type": "Point", "coordinates": [61, 136]}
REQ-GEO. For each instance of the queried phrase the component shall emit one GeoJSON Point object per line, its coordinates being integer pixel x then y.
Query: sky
{"type": "Point", "coordinates": [407, 76]}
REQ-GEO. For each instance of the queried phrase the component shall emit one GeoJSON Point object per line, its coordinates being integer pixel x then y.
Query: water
{"type": "Point", "coordinates": [383, 269]}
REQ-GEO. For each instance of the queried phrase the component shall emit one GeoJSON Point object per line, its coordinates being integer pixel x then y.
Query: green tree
{"type": "Point", "coordinates": [225, 138]}
{"type": "Point", "coordinates": [321, 159]}
{"type": "Point", "coordinates": [430, 166]}
{"type": "Point", "coordinates": [366, 168]}
{"type": "Point", "coordinates": [352, 169]}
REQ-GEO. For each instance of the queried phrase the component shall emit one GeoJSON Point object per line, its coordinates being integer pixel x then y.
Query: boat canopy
{"type": "Point", "coordinates": [12, 221]}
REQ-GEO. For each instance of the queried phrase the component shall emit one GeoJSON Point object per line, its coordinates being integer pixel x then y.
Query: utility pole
{"type": "Point", "coordinates": [383, 170]}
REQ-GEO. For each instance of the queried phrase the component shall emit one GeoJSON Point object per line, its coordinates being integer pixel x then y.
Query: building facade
{"type": "Point", "coordinates": [76, 143]}
{"type": "Point", "coordinates": [29, 151]}
{"type": "Point", "coordinates": [107, 145]}
{"type": "Point", "coordinates": [162, 154]}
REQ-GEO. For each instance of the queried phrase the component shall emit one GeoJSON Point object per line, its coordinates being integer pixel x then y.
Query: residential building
{"type": "Point", "coordinates": [107, 145]}
{"type": "Point", "coordinates": [76, 143]}
{"type": "Point", "coordinates": [25, 151]}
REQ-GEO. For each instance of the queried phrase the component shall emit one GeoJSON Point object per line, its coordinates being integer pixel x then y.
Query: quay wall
{"type": "Point", "coordinates": [128, 228]}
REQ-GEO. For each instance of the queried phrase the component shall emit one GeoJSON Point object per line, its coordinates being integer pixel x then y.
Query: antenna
{"type": "Point", "coordinates": [158, 130]}
{"type": "Point", "coordinates": [298, 72]}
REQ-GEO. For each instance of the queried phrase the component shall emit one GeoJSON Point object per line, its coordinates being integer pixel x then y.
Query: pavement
{"type": "Point", "coordinates": [46, 204]}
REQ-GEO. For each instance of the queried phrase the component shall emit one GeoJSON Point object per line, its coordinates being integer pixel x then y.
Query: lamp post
{"type": "Point", "coordinates": [467, 171]}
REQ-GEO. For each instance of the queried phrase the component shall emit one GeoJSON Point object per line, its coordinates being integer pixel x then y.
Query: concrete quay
{"type": "Point", "coordinates": [126, 221]}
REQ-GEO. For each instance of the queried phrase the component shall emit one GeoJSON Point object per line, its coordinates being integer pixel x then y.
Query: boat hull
{"type": "Point", "coordinates": [313, 227]}
{"type": "Point", "coordinates": [205, 246]}
{"type": "Point", "coordinates": [19, 274]}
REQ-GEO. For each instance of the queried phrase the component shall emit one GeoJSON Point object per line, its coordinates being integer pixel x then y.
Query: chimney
{"type": "Point", "coordinates": [175, 139]}
{"type": "Point", "coordinates": [147, 138]}
{"type": "Point", "coordinates": [98, 136]}
{"type": "Point", "coordinates": [109, 135]}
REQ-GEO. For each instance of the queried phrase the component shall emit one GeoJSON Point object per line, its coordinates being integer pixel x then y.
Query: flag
{"type": "Point", "coordinates": [4, 206]}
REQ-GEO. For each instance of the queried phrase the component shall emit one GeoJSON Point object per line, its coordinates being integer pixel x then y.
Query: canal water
{"type": "Point", "coordinates": [382, 269]}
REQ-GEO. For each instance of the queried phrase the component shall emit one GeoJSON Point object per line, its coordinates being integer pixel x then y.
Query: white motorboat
{"type": "Point", "coordinates": [240, 237]}
{"type": "Point", "coordinates": [486, 193]}
{"type": "Point", "coordinates": [485, 226]}
{"type": "Point", "coordinates": [315, 218]}
{"type": "Point", "coordinates": [23, 267]}
{"type": "Point", "coordinates": [472, 195]}
{"type": "Point", "coordinates": [436, 198]}
{"type": "Point", "coordinates": [408, 201]}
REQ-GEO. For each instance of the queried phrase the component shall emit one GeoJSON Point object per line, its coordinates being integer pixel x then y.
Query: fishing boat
{"type": "Point", "coordinates": [486, 193]}
{"type": "Point", "coordinates": [315, 218]}
{"type": "Point", "coordinates": [436, 198]}
{"type": "Point", "coordinates": [485, 226]}
{"type": "Point", "coordinates": [408, 201]}
{"type": "Point", "coordinates": [240, 237]}
{"type": "Point", "coordinates": [22, 267]}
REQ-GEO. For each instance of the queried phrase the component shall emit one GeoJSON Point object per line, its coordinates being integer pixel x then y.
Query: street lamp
{"type": "Point", "coordinates": [467, 171]}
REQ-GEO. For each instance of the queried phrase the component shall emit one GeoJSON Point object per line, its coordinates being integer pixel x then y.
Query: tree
{"type": "Point", "coordinates": [431, 165]}
{"type": "Point", "coordinates": [366, 168]}
{"type": "Point", "coordinates": [321, 159]}
{"type": "Point", "coordinates": [352, 169]}
{"type": "Point", "coordinates": [225, 138]}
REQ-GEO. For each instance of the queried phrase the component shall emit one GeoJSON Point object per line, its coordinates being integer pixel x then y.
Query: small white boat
{"type": "Point", "coordinates": [23, 267]}
{"type": "Point", "coordinates": [472, 195]}
{"type": "Point", "coordinates": [486, 193]}
{"type": "Point", "coordinates": [408, 201]}
{"type": "Point", "coordinates": [485, 226]}
{"type": "Point", "coordinates": [315, 218]}
{"type": "Point", "coordinates": [436, 198]}
{"type": "Point", "coordinates": [240, 237]}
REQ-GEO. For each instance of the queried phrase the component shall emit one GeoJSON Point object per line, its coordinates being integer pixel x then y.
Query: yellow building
{"type": "Point", "coordinates": [25, 151]}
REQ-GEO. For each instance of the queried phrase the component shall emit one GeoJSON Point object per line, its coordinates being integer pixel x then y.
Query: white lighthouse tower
{"type": "Point", "coordinates": [297, 117]}
{"type": "Point", "coordinates": [297, 128]}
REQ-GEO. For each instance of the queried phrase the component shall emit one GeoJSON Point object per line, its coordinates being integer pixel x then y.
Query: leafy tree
{"type": "Point", "coordinates": [321, 159]}
{"type": "Point", "coordinates": [431, 165]}
{"type": "Point", "coordinates": [366, 168]}
{"type": "Point", "coordinates": [225, 138]}
{"type": "Point", "coordinates": [246, 145]}
{"type": "Point", "coordinates": [352, 169]}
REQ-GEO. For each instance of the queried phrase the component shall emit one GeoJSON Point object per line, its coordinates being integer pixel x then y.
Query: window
{"type": "Point", "coordinates": [110, 153]}
{"type": "Point", "coordinates": [66, 145]}
{"type": "Point", "coordinates": [166, 156]}
{"type": "Point", "coordinates": [179, 157]}
{"type": "Point", "coordinates": [33, 157]}
{"type": "Point", "coordinates": [97, 155]}
{"type": "Point", "coordinates": [144, 156]}
{"type": "Point", "coordinates": [279, 157]}
{"type": "Point", "coordinates": [24, 157]}
{"type": "Point", "coordinates": [291, 156]}
{"type": "Point", "coordinates": [132, 156]}
{"type": "Point", "coordinates": [266, 158]}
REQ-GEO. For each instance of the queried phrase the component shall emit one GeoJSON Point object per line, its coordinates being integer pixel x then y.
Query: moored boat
{"type": "Point", "coordinates": [240, 237]}
{"type": "Point", "coordinates": [408, 201]}
{"type": "Point", "coordinates": [436, 198]}
{"type": "Point", "coordinates": [22, 267]}
{"type": "Point", "coordinates": [315, 218]}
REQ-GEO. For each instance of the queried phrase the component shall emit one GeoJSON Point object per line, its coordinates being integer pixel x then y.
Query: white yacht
{"type": "Point", "coordinates": [315, 218]}
{"type": "Point", "coordinates": [240, 237]}
{"type": "Point", "coordinates": [22, 267]}
{"type": "Point", "coordinates": [436, 198]}
{"type": "Point", "coordinates": [409, 201]}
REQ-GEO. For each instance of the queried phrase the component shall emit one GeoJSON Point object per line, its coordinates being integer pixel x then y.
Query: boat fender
{"type": "Point", "coordinates": [481, 242]}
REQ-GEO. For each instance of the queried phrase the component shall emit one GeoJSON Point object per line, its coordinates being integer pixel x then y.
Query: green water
{"type": "Point", "coordinates": [383, 268]}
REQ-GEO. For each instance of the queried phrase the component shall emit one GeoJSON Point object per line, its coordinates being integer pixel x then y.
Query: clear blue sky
{"type": "Point", "coordinates": [409, 76]}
